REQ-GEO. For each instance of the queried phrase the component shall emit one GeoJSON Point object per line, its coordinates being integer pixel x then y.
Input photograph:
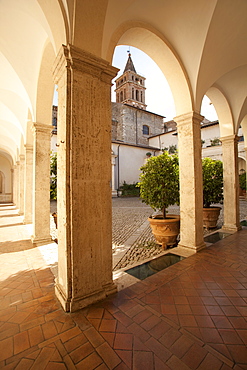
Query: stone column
{"type": "Point", "coordinates": [231, 183]}
{"type": "Point", "coordinates": [190, 169]}
{"type": "Point", "coordinates": [16, 184]}
{"type": "Point", "coordinates": [21, 184]}
{"type": "Point", "coordinates": [84, 177]}
{"type": "Point", "coordinates": [41, 184]}
{"type": "Point", "coordinates": [12, 184]}
{"type": "Point", "coordinates": [113, 166]}
{"type": "Point", "coordinates": [28, 184]}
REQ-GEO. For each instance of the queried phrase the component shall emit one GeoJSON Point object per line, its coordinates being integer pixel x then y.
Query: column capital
{"type": "Point", "coordinates": [21, 157]}
{"type": "Point", "coordinates": [28, 148]}
{"type": "Point", "coordinates": [41, 127]}
{"type": "Point", "coordinates": [229, 139]}
{"type": "Point", "coordinates": [186, 118]}
{"type": "Point", "coordinates": [77, 59]}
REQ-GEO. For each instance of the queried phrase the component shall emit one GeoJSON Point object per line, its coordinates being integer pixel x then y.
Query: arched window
{"type": "Point", "coordinates": [145, 130]}
{"type": "Point", "coordinates": [133, 93]}
{"type": "Point", "coordinates": [137, 95]}
{"type": "Point", "coordinates": [124, 94]}
{"type": "Point", "coordinates": [141, 97]}
{"type": "Point", "coordinates": [121, 96]}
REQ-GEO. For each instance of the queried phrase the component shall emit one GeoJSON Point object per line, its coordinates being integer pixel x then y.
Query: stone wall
{"type": "Point", "coordinates": [128, 124]}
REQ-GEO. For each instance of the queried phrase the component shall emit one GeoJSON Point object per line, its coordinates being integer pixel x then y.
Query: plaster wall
{"type": "Point", "coordinates": [53, 143]}
{"type": "Point", "coordinates": [128, 162]}
{"type": "Point", "coordinates": [164, 140]}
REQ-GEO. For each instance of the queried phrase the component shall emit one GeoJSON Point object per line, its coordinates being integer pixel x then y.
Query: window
{"type": "Point", "coordinates": [137, 95]}
{"type": "Point", "coordinates": [145, 130]}
{"type": "Point", "coordinates": [133, 93]}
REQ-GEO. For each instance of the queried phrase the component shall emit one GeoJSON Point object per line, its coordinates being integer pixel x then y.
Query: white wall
{"type": "Point", "coordinates": [128, 161]}
{"type": "Point", "coordinates": [53, 143]}
{"type": "Point", "coordinates": [165, 140]}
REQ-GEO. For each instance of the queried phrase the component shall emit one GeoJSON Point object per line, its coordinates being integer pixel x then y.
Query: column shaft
{"type": "Point", "coordinates": [231, 183]}
{"type": "Point", "coordinates": [17, 185]}
{"type": "Point", "coordinates": [21, 184]}
{"type": "Point", "coordinates": [28, 184]}
{"type": "Point", "coordinates": [41, 183]}
{"type": "Point", "coordinates": [190, 169]}
{"type": "Point", "coordinates": [84, 176]}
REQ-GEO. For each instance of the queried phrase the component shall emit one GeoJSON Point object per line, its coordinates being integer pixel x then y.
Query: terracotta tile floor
{"type": "Point", "coordinates": [192, 315]}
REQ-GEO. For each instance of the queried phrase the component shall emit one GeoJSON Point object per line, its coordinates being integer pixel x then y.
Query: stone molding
{"type": "Point", "coordinates": [185, 119]}
{"type": "Point", "coordinates": [229, 139]}
{"type": "Point", "coordinates": [41, 127]}
{"type": "Point", "coordinates": [74, 58]}
{"type": "Point", "coordinates": [28, 148]}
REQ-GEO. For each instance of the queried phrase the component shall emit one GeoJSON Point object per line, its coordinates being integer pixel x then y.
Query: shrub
{"type": "Point", "coordinates": [129, 190]}
{"type": "Point", "coordinates": [53, 174]}
{"type": "Point", "coordinates": [242, 181]}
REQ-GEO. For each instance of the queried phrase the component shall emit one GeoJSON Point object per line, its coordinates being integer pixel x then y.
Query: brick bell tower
{"type": "Point", "coordinates": [130, 87]}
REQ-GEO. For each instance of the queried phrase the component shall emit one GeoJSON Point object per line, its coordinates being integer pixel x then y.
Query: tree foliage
{"type": "Point", "coordinates": [212, 171]}
{"type": "Point", "coordinates": [242, 181]}
{"type": "Point", "coordinates": [53, 174]}
{"type": "Point", "coordinates": [159, 182]}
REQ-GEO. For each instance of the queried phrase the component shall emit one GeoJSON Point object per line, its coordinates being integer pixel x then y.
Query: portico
{"type": "Point", "coordinates": [201, 49]}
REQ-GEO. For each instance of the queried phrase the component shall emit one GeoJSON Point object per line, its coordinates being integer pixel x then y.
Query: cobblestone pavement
{"type": "Point", "coordinates": [132, 240]}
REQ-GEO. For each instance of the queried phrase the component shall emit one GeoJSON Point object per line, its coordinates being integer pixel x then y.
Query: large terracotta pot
{"type": "Point", "coordinates": [165, 230]}
{"type": "Point", "coordinates": [210, 217]}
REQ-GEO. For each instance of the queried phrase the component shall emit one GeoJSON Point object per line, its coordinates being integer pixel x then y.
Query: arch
{"type": "Point", "coordinates": [244, 129]}
{"type": "Point", "coordinates": [45, 87]}
{"type": "Point", "coordinates": [2, 183]}
{"type": "Point", "coordinates": [223, 110]}
{"type": "Point", "coordinates": [148, 39]}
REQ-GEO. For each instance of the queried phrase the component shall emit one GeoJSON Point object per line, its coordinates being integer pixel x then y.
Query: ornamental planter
{"type": "Point", "coordinates": [210, 217]}
{"type": "Point", "coordinates": [165, 230]}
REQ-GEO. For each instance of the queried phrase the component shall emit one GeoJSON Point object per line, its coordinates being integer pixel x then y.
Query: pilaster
{"type": "Point", "coordinates": [21, 183]}
{"type": "Point", "coordinates": [28, 185]}
{"type": "Point", "coordinates": [231, 183]}
{"type": "Point", "coordinates": [84, 177]}
{"type": "Point", "coordinates": [190, 172]}
{"type": "Point", "coordinates": [41, 183]}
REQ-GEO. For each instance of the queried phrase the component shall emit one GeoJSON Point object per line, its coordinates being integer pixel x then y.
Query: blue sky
{"type": "Point", "coordinates": [158, 94]}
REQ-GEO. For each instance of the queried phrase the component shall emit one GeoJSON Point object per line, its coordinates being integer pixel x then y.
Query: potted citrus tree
{"type": "Point", "coordinates": [159, 188]}
{"type": "Point", "coordinates": [212, 171]}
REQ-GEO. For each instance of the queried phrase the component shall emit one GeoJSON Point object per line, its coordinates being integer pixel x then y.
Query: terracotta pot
{"type": "Point", "coordinates": [166, 230]}
{"type": "Point", "coordinates": [210, 217]}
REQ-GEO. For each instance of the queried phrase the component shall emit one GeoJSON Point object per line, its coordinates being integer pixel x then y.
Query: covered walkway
{"type": "Point", "coordinates": [193, 315]}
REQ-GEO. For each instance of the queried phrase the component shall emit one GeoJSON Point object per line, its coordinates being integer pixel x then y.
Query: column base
{"type": "Point", "coordinates": [27, 222]}
{"type": "Point", "coordinates": [75, 304]}
{"type": "Point", "coordinates": [231, 229]}
{"type": "Point", "coordinates": [114, 193]}
{"type": "Point", "coordinates": [41, 241]}
{"type": "Point", "coordinates": [193, 248]}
